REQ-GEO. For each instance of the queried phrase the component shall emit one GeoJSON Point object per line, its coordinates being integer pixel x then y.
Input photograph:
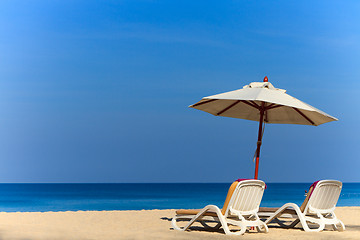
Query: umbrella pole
{"type": "Point", "coordinates": [262, 110]}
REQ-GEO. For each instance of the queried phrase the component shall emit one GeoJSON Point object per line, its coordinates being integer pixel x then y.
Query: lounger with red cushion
{"type": "Point", "coordinates": [317, 208]}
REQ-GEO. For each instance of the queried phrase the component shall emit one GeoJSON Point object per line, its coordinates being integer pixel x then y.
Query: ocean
{"type": "Point", "coordinates": [137, 196]}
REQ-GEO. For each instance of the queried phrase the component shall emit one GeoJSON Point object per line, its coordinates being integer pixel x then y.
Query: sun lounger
{"type": "Point", "coordinates": [240, 209]}
{"type": "Point", "coordinates": [318, 207]}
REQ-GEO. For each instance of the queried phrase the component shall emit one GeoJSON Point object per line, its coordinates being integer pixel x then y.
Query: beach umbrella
{"type": "Point", "coordinates": [262, 102]}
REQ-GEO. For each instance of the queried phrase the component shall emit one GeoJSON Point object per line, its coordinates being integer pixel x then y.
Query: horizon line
{"type": "Point", "coordinates": [140, 182]}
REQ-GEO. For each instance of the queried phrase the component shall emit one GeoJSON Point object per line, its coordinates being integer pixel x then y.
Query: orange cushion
{"type": "Point", "coordinates": [229, 195]}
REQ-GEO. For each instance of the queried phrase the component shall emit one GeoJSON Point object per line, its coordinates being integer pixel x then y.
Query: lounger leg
{"type": "Point", "coordinates": [240, 224]}
{"type": "Point", "coordinates": [266, 229]}
{"type": "Point", "coordinates": [335, 227]}
{"type": "Point", "coordinates": [174, 223]}
{"type": "Point", "coordinates": [247, 221]}
{"type": "Point", "coordinates": [300, 216]}
{"type": "Point", "coordinates": [341, 228]}
{"type": "Point", "coordinates": [320, 222]}
{"type": "Point", "coordinates": [279, 212]}
{"type": "Point", "coordinates": [198, 216]}
{"type": "Point", "coordinates": [242, 230]}
{"type": "Point", "coordinates": [221, 218]}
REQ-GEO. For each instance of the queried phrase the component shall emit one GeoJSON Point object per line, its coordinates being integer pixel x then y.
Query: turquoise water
{"type": "Point", "coordinates": [72, 197]}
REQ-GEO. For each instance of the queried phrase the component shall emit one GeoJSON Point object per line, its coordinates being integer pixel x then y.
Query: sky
{"type": "Point", "coordinates": [98, 91]}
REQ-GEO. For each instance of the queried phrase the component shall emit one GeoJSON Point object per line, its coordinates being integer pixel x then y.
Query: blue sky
{"type": "Point", "coordinates": [97, 91]}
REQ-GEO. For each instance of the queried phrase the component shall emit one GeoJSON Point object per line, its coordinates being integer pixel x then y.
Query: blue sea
{"type": "Point", "coordinates": [72, 197]}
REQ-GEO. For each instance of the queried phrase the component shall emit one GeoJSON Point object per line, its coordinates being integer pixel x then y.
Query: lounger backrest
{"type": "Point", "coordinates": [246, 197]}
{"type": "Point", "coordinates": [325, 196]}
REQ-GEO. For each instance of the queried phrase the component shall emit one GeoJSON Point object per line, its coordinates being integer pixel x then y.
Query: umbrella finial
{"type": "Point", "coordinates": [265, 79]}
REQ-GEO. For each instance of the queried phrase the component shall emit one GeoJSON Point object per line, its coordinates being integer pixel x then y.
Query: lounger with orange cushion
{"type": "Point", "coordinates": [240, 209]}
{"type": "Point", "coordinates": [318, 208]}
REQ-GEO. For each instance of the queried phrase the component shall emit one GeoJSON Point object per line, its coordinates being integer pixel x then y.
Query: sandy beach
{"type": "Point", "coordinates": [145, 224]}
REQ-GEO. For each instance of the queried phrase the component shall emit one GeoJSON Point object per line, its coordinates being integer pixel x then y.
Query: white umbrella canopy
{"type": "Point", "coordinates": [261, 101]}
{"type": "Point", "coordinates": [279, 107]}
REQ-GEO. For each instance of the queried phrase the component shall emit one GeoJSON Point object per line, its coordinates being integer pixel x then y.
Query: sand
{"type": "Point", "coordinates": [146, 224]}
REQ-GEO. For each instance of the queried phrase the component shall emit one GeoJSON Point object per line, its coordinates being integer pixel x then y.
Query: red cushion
{"type": "Point", "coordinates": [313, 185]}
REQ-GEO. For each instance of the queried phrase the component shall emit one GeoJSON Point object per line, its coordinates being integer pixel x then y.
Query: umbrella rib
{"type": "Point", "coordinates": [272, 106]}
{"type": "Point", "coordinates": [254, 105]}
{"type": "Point", "coordinates": [227, 108]}
{"type": "Point", "coordinates": [257, 106]}
{"type": "Point", "coordinates": [303, 115]}
{"type": "Point", "coordinates": [201, 103]}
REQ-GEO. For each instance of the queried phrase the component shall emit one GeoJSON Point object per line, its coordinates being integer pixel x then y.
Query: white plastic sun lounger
{"type": "Point", "coordinates": [318, 208]}
{"type": "Point", "coordinates": [240, 209]}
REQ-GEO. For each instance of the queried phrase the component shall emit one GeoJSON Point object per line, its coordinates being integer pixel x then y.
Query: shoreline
{"type": "Point", "coordinates": [155, 209]}
{"type": "Point", "coordinates": [145, 224]}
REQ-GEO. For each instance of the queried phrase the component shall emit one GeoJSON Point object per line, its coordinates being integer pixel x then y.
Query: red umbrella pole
{"type": "Point", "coordinates": [259, 140]}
